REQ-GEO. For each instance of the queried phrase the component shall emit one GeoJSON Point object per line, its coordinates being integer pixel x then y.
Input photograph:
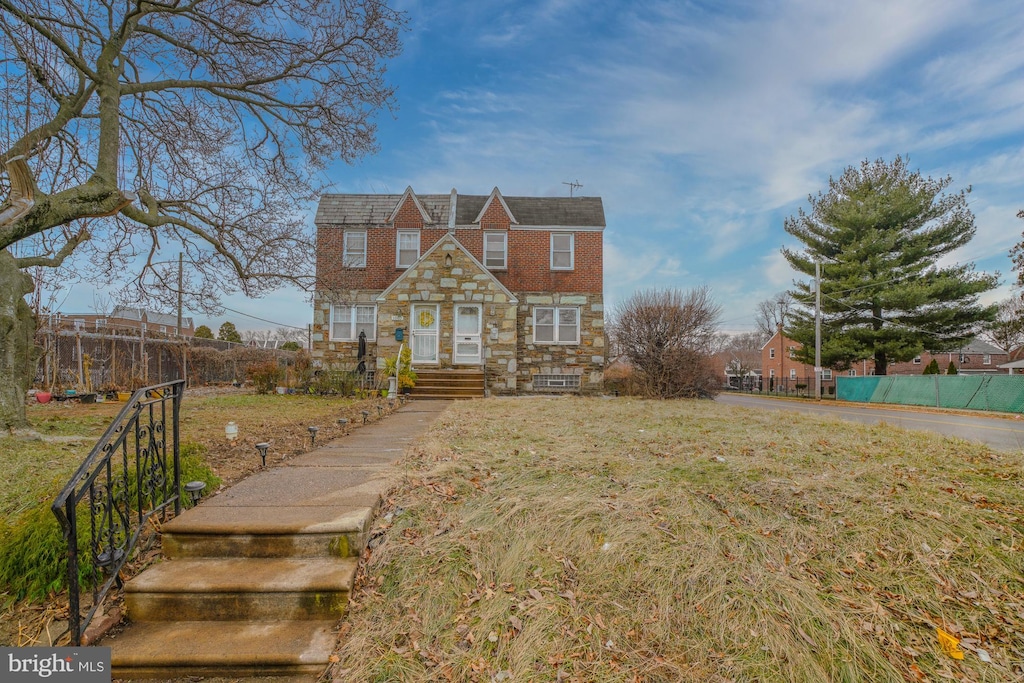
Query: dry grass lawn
{"type": "Point", "coordinates": [625, 540]}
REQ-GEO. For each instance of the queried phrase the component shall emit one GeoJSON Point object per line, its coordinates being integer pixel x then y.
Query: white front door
{"type": "Point", "coordinates": [467, 334]}
{"type": "Point", "coordinates": [423, 333]}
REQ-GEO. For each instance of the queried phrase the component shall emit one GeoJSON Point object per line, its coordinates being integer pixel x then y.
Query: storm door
{"type": "Point", "coordinates": [424, 333]}
{"type": "Point", "coordinates": [467, 334]}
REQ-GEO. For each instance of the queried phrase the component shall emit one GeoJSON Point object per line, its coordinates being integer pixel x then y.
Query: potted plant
{"type": "Point", "coordinates": [399, 372]}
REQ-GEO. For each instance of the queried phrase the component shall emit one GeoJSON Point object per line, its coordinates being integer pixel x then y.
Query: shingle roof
{"type": "Point", "coordinates": [374, 209]}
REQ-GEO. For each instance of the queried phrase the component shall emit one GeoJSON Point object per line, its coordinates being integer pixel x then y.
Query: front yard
{"type": "Point", "coordinates": [626, 540]}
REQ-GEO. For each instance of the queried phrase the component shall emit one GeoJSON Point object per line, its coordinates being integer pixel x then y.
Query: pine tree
{"type": "Point", "coordinates": [879, 232]}
{"type": "Point", "coordinates": [932, 368]}
{"type": "Point", "coordinates": [227, 332]}
{"type": "Point", "coordinates": [203, 332]}
{"type": "Point", "coordinates": [951, 370]}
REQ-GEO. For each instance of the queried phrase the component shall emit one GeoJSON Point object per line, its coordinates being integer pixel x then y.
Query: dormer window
{"type": "Point", "coordinates": [496, 250]}
{"type": "Point", "coordinates": [408, 248]}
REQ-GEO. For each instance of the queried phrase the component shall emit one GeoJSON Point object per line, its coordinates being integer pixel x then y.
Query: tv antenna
{"type": "Point", "coordinates": [574, 185]}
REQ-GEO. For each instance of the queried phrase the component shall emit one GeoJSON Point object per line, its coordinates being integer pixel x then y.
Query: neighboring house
{"type": "Point", "coordinates": [128, 320]}
{"type": "Point", "coordinates": [512, 285]}
{"type": "Point", "coordinates": [977, 357]}
{"type": "Point", "coordinates": [779, 361]}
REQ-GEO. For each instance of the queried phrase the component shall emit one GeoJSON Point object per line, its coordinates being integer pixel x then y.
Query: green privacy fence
{"type": "Point", "coordinates": [1004, 393]}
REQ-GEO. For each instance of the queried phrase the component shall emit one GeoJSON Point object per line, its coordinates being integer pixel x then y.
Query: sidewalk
{"type": "Point", "coordinates": [256, 577]}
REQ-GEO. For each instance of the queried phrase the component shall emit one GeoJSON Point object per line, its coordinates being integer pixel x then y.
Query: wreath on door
{"type": "Point", "coordinates": [426, 319]}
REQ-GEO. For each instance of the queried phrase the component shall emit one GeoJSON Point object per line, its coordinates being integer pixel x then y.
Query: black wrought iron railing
{"type": "Point", "coordinates": [131, 476]}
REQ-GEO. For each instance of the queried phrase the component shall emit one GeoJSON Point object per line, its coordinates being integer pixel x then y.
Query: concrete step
{"type": "Point", "coordinates": [234, 649]}
{"type": "Point", "coordinates": [210, 531]}
{"type": "Point", "coordinates": [448, 396]}
{"type": "Point", "coordinates": [230, 589]}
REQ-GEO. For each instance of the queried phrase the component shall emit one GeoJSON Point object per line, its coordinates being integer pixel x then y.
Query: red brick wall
{"type": "Point", "coordinates": [408, 216]}
{"type": "Point", "coordinates": [529, 258]}
{"type": "Point", "coordinates": [495, 218]}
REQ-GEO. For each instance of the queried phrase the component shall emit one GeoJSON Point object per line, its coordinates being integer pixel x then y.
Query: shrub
{"type": "Point", "coordinates": [264, 375]}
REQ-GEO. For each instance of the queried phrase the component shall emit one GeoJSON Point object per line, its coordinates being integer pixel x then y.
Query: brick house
{"type": "Point", "coordinates": [977, 357]}
{"type": "Point", "coordinates": [508, 285]}
{"type": "Point", "coordinates": [778, 361]}
{"type": "Point", "coordinates": [129, 321]}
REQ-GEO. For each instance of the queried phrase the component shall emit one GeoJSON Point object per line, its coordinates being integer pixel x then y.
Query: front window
{"type": "Point", "coordinates": [348, 321]}
{"type": "Point", "coordinates": [408, 248]}
{"type": "Point", "coordinates": [355, 249]}
{"type": "Point", "coordinates": [792, 374]}
{"type": "Point", "coordinates": [562, 257]}
{"type": "Point", "coordinates": [826, 374]}
{"type": "Point", "coordinates": [852, 373]}
{"type": "Point", "coordinates": [986, 359]}
{"type": "Point", "coordinates": [553, 325]}
{"type": "Point", "coordinates": [917, 360]}
{"type": "Point", "coordinates": [771, 353]}
{"type": "Point", "coordinates": [496, 249]}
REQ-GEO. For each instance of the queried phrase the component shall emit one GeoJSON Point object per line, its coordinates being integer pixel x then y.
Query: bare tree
{"type": "Point", "coordinates": [132, 126]}
{"type": "Point", "coordinates": [773, 313]}
{"type": "Point", "coordinates": [1007, 331]}
{"type": "Point", "coordinates": [741, 353]}
{"type": "Point", "coordinates": [667, 336]}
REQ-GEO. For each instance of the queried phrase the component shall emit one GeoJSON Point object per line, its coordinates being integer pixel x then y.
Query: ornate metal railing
{"type": "Point", "coordinates": [131, 475]}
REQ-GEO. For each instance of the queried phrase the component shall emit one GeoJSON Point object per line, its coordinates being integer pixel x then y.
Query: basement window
{"type": "Point", "coordinates": [563, 382]}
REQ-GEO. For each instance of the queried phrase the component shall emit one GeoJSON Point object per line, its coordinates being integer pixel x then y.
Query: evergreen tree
{"type": "Point", "coordinates": [951, 370]}
{"type": "Point", "coordinates": [204, 332]}
{"type": "Point", "coordinates": [879, 232]}
{"type": "Point", "coordinates": [227, 332]}
{"type": "Point", "coordinates": [932, 368]}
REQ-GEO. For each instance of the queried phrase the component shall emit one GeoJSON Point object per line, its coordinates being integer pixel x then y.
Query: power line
{"type": "Point", "coordinates": [254, 317]}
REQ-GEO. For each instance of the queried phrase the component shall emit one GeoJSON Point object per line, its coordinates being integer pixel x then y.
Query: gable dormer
{"type": "Point", "coordinates": [495, 215]}
{"type": "Point", "coordinates": [409, 212]}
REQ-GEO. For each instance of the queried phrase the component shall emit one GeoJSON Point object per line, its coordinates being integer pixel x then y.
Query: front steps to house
{"type": "Point", "coordinates": [448, 384]}
{"type": "Point", "coordinates": [256, 578]}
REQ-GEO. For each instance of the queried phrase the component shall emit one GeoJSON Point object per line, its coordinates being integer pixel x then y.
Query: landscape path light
{"type": "Point", "coordinates": [194, 489]}
{"type": "Point", "coordinates": [344, 424]}
{"type": "Point", "coordinates": [312, 435]}
{"type": "Point", "coordinates": [366, 414]}
{"type": "Point", "coordinates": [261, 448]}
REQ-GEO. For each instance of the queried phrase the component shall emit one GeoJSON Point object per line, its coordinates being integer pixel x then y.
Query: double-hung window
{"type": "Point", "coordinates": [562, 252]}
{"type": "Point", "coordinates": [408, 248]}
{"type": "Point", "coordinates": [355, 249]}
{"type": "Point", "coordinates": [556, 325]}
{"type": "Point", "coordinates": [347, 321]}
{"type": "Point", "coordinates": [496, 250]}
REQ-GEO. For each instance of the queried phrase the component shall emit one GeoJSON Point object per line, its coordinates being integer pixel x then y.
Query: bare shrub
{"type": "Point", "coordinates": [667, 337]}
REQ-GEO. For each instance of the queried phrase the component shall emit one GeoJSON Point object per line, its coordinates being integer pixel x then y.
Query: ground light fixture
{"type": "Point", "coordinates": [261, 448]}
{"type": "Point", "coordinates": [231, 432]}
{"type": "Point", "coordinates": [380, 410]}
{"type": "Point", "coordinates": [366, 414]}
{"type": "Point", "coordinates": [343, 423]}
{"type": "Point", "coordinates": [194, 489]}
{"type": "Point", "coordinates": [312, 435]}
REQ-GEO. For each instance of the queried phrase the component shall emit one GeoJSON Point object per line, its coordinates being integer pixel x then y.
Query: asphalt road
{"type": "Point", "coordinates": [998, 432]}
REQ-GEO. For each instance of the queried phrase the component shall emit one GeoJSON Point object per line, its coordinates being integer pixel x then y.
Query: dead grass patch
{"type": "Point", "coordinates": [626, 540]}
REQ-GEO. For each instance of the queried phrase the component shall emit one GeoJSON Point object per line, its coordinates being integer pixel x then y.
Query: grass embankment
{"type": "Point", "coordinates": [587, 540]}
{"type": "Point", "coordinates": [34, 469]}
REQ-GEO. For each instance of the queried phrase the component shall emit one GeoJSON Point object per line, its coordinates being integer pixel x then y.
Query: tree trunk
{"type": "Point", "coordinates": [17, 342]}
{"type": "Point", "coordinates": [881, 363]}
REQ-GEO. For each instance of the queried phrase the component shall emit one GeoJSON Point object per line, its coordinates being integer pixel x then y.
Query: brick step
{"type": "Point", "coordinates": [237, 589]}
{"type": "Point", "coordinates": [183, 649]}
{"type": "Point", "coordinates": [211, 531]}
{"type": "Point", "coordinates": [447, 397]}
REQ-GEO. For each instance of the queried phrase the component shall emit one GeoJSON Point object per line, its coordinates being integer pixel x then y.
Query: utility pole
{"type": "Point", "coordinates": [179, 292]}
{"type": "Point", "coordinates": [817, 331]}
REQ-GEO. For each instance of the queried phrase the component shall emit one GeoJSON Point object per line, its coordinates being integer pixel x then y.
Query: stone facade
{"type": "Point", "coordinates": [450, 272]}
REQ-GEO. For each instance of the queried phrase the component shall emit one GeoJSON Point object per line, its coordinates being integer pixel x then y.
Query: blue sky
{"type": "Point", "coordinates": [702, 125]}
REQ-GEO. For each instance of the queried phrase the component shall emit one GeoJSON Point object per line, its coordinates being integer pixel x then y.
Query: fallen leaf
{"type": "Point", "coordinates": [950, 645]}
{"type": "Point", "coordinates": [535, 594]}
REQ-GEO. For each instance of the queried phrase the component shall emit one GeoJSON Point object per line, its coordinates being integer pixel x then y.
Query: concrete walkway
{"type": "Point", "coordinates": [234, 597]}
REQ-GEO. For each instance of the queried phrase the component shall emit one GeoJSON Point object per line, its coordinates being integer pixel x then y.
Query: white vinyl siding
{"type": "Point", "coordinates": [556, 325]}
{"type": "Point", "coordinates": [562, 251]}
{"type": "Point", "coordinates": [348, 321]}
{"type": "Point", "coordinates": [408, 248]}
{"type": "Point", "coordinates": [496, 249]}
{"type": "Point", "coordinates": [355, 249]}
